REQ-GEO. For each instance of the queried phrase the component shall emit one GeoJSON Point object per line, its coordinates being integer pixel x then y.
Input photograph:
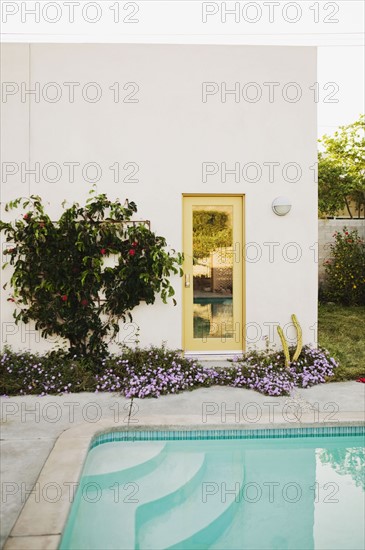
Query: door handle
{"type": "Point", "coordinates": [187, 280]}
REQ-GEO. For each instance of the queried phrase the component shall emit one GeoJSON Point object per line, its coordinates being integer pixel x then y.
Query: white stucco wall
{"type": "Point", "coordinates": [170, 132]}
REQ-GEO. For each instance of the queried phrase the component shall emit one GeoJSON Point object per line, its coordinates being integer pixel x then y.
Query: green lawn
{"type": "Point", "coordinates": [342, 332]}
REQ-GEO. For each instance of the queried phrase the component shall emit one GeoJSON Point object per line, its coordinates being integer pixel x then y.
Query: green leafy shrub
{"type": "Point", "coordinates": [345, 271]}
{"type": "Point", "coordinates": [60, 279]}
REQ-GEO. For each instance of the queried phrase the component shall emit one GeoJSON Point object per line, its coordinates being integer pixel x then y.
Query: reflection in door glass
{"type": "Point", "coordinates": [213, 271]}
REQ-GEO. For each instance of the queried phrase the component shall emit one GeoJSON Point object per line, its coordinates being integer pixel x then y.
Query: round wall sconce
{"type": "Point", "coordinates": [281, 206]}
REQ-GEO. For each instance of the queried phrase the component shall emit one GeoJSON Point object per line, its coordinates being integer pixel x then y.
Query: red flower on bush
{"type": "Point", "coordinates": [64, 298]}
{"type": "Point", "coordinates": [84, 302]}
{"type": "Point", "coordinates": [26, 217]}
{"type": "Point", "coordinates": [103, 251]}
{"type": "Point", "coordinates": [132, 252]}
{"type": "Point", "coordinates": [135, 244]}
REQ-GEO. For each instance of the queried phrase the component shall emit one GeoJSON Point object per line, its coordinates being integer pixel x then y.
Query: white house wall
{"type": "Point", "coordinates": [170, 132]}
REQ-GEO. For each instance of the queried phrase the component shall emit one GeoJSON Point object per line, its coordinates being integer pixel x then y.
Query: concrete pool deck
{"type": "Point", "coordinates": [44, 440]}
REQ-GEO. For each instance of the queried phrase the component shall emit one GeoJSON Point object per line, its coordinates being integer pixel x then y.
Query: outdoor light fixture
{"type": "Point", "coordinates": [281, 206]}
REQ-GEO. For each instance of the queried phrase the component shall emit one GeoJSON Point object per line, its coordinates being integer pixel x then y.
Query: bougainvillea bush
{"type": "Point", "coordinates": [60, 278]}
{"type": "Point", "coordinates": [156, 371]}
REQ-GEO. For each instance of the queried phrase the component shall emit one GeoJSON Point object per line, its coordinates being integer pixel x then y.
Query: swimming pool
{"type": "Point", "coordinates": [300, 488]}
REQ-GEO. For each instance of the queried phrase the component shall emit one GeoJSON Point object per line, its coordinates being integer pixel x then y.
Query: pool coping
{"type": "Point", "coordinates": [64, 465]}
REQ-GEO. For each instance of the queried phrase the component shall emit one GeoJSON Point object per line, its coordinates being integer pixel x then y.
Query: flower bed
{"type": "Point", "coordinates": [266, 373]}
{"type": "Point", "coordinates": [158, 371]}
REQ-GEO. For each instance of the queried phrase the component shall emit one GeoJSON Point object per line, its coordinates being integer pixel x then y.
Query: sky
{"type": "Point", "coordinates": [337, 28]}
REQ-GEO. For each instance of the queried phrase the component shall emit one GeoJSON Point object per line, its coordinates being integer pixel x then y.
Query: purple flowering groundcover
{"type": "Point", "coordinates": [158, 371]}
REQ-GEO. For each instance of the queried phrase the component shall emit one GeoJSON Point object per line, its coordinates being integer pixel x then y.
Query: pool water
{"type": "Point", "coordinates": [185, 492]}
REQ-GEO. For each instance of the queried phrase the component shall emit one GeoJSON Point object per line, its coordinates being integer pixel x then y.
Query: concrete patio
{"type": "Point", "coordinates": [30, 426]}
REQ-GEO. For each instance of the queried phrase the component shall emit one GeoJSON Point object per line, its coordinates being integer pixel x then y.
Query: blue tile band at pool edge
{"type": "Point", "coordinates": [176, 435]}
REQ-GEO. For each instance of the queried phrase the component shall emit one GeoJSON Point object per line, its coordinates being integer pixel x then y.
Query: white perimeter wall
{"type": "Point", "coordinates": [170, 132]}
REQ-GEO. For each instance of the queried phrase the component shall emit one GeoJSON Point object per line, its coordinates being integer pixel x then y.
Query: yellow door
{"type": "Point", "coordinates": [213, 273]}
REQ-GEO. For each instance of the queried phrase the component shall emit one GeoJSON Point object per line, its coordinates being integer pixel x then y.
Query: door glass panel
{"type": "Point", "coordinates": [213, 271]}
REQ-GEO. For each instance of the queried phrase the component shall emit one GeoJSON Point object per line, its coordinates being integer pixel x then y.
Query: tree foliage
{"type": "Point", "coordinates": [60, 278]}
{"type": "Point", "coordinates": [341, 169]}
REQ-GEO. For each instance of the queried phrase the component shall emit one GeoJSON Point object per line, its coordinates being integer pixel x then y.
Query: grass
{"type": "Point", "coordinates": [342, 332]}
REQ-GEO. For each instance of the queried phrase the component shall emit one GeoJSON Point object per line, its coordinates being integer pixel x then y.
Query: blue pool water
{"type": "Point", "coordinates": [263, 489]}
